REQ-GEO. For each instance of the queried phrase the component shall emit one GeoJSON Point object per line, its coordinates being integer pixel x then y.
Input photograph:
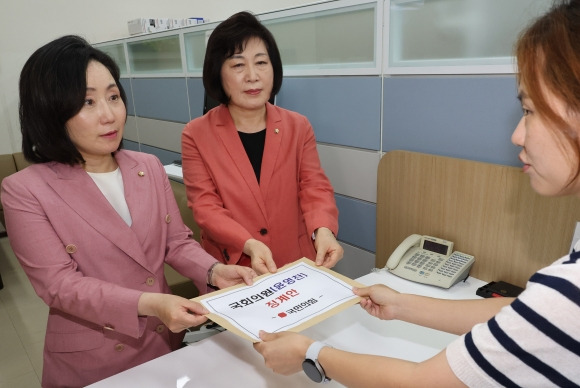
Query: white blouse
{"type": "Point", "coordinates": [111, 185]}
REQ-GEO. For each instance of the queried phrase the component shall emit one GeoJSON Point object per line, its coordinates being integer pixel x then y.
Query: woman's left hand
{"type": "Point", "coordinates": [224, 275]}
{"type": "Point", "coordinates": [328, 250]}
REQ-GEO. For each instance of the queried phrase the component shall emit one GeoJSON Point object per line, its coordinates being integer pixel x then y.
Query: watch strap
{"type": "Point", "coordinates": [312, 355]}
{"type": "Point", "coordinates": [314, 349]}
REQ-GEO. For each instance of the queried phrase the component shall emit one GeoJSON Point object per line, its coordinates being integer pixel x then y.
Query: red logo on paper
{"type": "Point", "coordinates": [282, 314]}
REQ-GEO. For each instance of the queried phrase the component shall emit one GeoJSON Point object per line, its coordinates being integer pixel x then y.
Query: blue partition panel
{"type": "Point", "coordinates": [161, 99]}
{"type": "Point", "coordinates": [342, 110]}
{"type": "Point", "coordinates": [126, 84]}
{"type": "Point", "coordinates": [166, 157]}
{"type": "Point", "coordinates": [469, 117]}
{"type": "Point", "coordinates": [196, 93]}
{"type": "Point", "coordinates": [357, 222]}
{"type": "Point", "coordinates": [130, 145]}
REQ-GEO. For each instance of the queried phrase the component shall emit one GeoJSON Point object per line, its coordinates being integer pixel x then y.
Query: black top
{"type": "Point", "coordinates": [254, 146]}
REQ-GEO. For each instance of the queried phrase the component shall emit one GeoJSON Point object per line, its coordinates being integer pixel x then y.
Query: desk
{"type": "Point", "coordinates": [174, 172]}
{"type": "Point", "coordinates": [226, 360]}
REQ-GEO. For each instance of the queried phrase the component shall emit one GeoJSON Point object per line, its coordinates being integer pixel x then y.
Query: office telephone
{"type": "Point", "coordinates": [429, 260]}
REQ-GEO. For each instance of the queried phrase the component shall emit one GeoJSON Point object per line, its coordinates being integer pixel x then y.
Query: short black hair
{"type": "Point", "coordinates": [53, 86]}
{"type": "Point", "coordinates": [230, 37]}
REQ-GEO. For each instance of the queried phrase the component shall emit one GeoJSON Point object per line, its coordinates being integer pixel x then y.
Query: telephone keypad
{"type": "Point", "coordinates": [425, 261]}
{"type": "Point", "coordinates": [454, 264]}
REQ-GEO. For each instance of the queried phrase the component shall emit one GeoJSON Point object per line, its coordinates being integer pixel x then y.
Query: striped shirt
{"type": "Point", "coordinates": [534, 342]}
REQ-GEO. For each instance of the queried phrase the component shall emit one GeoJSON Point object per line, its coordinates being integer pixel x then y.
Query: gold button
{"type": "Point", "coordinates": [276, 130]}
{"type": "Point", "coordinates": [108, 326]}
{"type": "Point", "coordinates": [160, 329]}
{"type": "Point", "coordinates": [150, 281]}
{"type": "Point", "coordinates": [119, 347]}
{"type": "Point", "coordinates": [71, 248]}
{"type": "Point", "coordinates": [168, 218]}
{"type": "Point", "coordinates": [141, 173]}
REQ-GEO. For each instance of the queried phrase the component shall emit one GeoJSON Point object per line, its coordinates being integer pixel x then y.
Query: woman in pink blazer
{"type": "Point", "coordinates": [252, 172]}
{"type": "Point", "coordinates": [93, 225]}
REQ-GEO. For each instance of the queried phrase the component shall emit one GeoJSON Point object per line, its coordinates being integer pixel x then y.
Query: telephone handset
{"type": "Point", "coordinates": [429, 260]}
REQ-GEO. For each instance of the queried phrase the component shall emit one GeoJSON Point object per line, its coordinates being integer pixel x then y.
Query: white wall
{"type": "Point", "coordinates": [28, 24]}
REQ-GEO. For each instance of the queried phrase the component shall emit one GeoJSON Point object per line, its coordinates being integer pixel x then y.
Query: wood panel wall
{"type": "Point", "coordinates": [487, 210]}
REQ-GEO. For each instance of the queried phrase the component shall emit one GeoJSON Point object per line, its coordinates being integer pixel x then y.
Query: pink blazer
{"type": "Point", "coordinates": [293, 198]}
{"type": "Point", "coordinates": [90, 267]}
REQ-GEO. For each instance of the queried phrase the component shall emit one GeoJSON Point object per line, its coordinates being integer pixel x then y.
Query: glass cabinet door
{"type": "Point", "coordinates": [339, 38]}
{"type": "Point", "coordinates": [155, 55]}
{"type": "Point", "coordinates": [117, 52]}
{"type": "Point", "coordinates": [457, 32]}
{"type": "Point", "coordinates": [195, 43]}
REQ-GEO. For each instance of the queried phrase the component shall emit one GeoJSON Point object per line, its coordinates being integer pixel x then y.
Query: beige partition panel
{"type": "Point", "coordinates": [487, 210]}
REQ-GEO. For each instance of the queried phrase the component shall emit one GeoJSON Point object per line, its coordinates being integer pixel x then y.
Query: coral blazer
{"type": "Point", "coordinates": [90, 267]}
{"type": "Point", "coordinates": [294, 196]}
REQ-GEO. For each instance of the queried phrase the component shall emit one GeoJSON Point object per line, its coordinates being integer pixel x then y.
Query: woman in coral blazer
{"type": "Point", "coordinates": [93, 226]}
{"type": "Point", "coordinates": [252, 172]}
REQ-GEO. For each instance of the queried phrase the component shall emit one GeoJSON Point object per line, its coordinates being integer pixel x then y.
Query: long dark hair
{"type": "Point", "coordinates": [53, 85]}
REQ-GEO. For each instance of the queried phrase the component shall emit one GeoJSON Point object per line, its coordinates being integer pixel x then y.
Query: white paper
{"type": "Point", "coordinates": [280, 301]}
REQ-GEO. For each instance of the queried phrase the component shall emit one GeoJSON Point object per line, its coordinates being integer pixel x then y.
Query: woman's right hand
{"type": "Point", "coordinates": [175, 312]}
{"type": "Point", "coordinates": [378, 300]}
{"type": "Point", "coordinates": [224, 275]}
{"type": "Point", "coordinates": [260, 255]}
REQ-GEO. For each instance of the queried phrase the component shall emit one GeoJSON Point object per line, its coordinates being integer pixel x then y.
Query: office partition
{"type": "Point", "coordinates": [371, 76]}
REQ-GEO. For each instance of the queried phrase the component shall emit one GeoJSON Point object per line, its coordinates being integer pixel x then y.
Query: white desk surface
{"type": "Point", "coordinates": [226, 360]}
{"type": "Point", "coordinates": [174, 172]}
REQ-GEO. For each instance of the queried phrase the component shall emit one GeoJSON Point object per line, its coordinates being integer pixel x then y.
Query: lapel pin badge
{"type": "Point", "coordinates": [141, 173]}
{"type": "Point", "coordinates": [276, 130]}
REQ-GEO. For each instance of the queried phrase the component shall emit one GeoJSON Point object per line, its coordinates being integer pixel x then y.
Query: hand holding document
{"type": "Point", "coordinates": [297, 296]}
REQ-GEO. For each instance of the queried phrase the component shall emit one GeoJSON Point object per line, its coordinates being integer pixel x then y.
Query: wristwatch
{"type": "Point", "coordinates": [311, 366]}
